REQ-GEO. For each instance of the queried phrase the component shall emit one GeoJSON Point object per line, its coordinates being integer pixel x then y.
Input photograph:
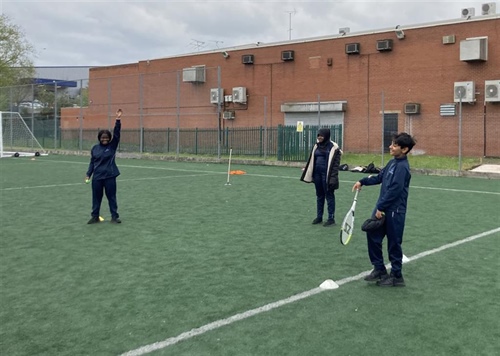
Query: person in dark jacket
{"type": "Point", "coordinates": [392, 202]}
{"type": "Point", "coordinates": [103, 170]}
{"type": "Point", "coordinates": [322, 168]}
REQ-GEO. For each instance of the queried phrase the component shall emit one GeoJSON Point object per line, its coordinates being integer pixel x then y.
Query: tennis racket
{"type": "Point", "coordinates": [347, 227]}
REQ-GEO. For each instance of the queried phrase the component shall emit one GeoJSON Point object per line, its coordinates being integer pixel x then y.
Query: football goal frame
{"type": "Point", "coordinates": [16, 139]}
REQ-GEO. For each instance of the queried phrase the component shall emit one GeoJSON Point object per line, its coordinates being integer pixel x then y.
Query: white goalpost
{"type": "Point", "coordinates": [16, 139]}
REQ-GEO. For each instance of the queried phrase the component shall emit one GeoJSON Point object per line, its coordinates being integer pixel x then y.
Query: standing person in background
{"type": "Point", "coordinates": [103, 170]}
{"type": "Point", "coordinates": [392, 202]}
{"type": "Point", "coordinates": [322, 168]}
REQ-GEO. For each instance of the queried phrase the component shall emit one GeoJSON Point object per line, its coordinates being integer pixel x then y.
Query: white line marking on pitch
{"type": "Point", "coordinates": [275, 176]}
{"type": "Point", "coordinates": [237, 317]}
{"type": "Point", "coordinates": [119, 180]}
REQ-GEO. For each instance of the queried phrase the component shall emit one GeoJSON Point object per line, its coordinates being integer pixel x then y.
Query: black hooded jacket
{"type": "Point", "coordinates": [334, 155]}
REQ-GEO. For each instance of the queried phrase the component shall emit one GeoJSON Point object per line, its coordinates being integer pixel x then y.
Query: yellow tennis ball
{"type": "Point", "coordinates": [101, 218]}
{"type": "Point", "coordinates": [87, 181]}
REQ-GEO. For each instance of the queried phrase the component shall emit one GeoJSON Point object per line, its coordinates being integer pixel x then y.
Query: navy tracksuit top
{"type": "Point", "coordinates": [102, 157]}
{"type": "Point", "coordinates": [395, 179]}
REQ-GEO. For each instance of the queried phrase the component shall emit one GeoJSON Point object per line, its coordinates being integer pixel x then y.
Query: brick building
{"type": "Point", "coordinates": [438, 81]}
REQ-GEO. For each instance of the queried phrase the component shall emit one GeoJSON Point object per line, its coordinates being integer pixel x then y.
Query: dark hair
{"type": "Point", "coordinates": [404, 140]}
{"type": "Point", "coordinates": [102, 132]}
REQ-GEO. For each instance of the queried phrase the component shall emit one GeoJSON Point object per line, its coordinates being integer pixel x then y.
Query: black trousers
{"type": "Point", "coordinates": [322, 195]}
{"type": "Point", "coordinates": [99, 187]}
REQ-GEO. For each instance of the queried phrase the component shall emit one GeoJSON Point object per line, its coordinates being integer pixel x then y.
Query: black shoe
{"type": "Point", "coordinates": [93, 220]}
{"type": "Point", "coordinates": [376, 275]}
{"type": "Point", "coordinates": [391, 281]}
{"type": "Point", "coordinates": [329, 222]}
{"type": "Point", "coordinates": [116, 221]}
{"type": "Point", "coordinates": [317, 221]}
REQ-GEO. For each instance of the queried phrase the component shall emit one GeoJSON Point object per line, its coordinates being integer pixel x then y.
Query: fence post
{"type": "Point", "coordinates": [168, 139]}
{"type": "Point", "coordinates": [80, 118]}
{"type": "Point", "coordinates": [141, 144]}
{"type": "Point", "coordinates": [55, 114]}
{"type": "Point", "coordinates": [280, 143]}
{"type": "Point", "coordinates": [266, 140]}
{"type": "Point", "coordinates": [178, 113]}
{"type": "Point", "coordinates": [196, 141]}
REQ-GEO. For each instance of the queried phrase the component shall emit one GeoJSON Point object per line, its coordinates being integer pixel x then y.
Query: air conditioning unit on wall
{"type": "Point", "coordinates": [384, 45]}
{"type": "Point", "coordinates": [287, 56]}
{"type": "Point", "coordinates": [489, 8]}
{"type": "Point", "coordinates": [412, 108]}
{"type": "Point", "coordinates": [247, 59]}
{"type": "Point", "coordinates": [492, 90]}
{"type": "Point", "coordinates": [240, 95]}
{"type": "Point", "coordinates": [216, 94]}
{"type": "Point", "coordinates": [195, 74]}
{"type": "Point", "coordinates": [465, 92]}
{"type": "Point", "coordinates": [352, 48]}
{"type": "Point", "coordinates": [228, 115]}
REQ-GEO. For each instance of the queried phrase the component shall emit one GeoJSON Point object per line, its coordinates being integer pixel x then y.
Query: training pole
{"type": "Point", "coordinates": [229, 166]}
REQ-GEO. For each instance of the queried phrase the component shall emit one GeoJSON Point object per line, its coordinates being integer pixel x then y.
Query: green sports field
{"type": "Point", "coordinates": [199, 267]}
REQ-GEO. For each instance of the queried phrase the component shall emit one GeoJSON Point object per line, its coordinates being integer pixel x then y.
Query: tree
{"type": "Point", "coordinates": [16, 65]}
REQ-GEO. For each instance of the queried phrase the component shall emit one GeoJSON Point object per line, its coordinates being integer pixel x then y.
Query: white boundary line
{"type": "Point", "coordinates": [237, 317]}
{"type": "Point", "coordinates": [121, 180]}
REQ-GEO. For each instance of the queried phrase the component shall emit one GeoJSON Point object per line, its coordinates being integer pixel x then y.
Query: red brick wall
{"type": "Point", "coordinates": [419, 69]}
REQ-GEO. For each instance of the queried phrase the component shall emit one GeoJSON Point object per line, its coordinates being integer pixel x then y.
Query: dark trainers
{"type": "Point", "coordinates": [329, 222]}
{"type": "Point", "coordinates": [376, 275]}
{"type": "Point", "coordinates": [317, 221]}
{"type": "Point", "coordinates": [93, 220]}
{"type": "Point", "coordinates": [116, 221]}
{"type": "Point", "coordinates": [391, 281]}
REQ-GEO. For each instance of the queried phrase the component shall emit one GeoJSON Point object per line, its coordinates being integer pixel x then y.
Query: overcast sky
{"type": "Point", "coordinates": [94, 33]}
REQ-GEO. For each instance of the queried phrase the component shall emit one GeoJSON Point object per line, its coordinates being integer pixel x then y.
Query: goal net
{"type": "Point", "coordinates": [16, 139]}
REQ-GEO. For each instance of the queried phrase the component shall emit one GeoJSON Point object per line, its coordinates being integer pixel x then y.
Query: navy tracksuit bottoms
{"type": "Point", "coordinates": [99, 187]}
{"type": "Point", "coordinates": [393, 229]}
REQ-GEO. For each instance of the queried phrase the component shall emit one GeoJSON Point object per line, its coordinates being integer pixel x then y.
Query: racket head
{"type": "Point", "coordinates": [347, 228]}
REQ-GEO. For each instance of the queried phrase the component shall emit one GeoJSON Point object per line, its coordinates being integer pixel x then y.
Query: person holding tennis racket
{"type": "Point", "coordinates": [392, 202]}
{"type": "Point", "coordinates": [322, 168]}
{"type": "Point", "coordinates": [103, 170]}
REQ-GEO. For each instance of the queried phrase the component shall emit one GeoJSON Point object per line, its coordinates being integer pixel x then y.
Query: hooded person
{"type": "Point", "coordinates": [322, 169]}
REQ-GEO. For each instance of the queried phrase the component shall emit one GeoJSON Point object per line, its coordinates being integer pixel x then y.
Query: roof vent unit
{"type": "Point", "coordinates": [247, 59]}
{"type": "Point", "coordinates": [489, 8]}
{"type": "Point", "coordinates": [468, 12]}
{"type": "Point", "coordinates": [287, 56]}
{"type": "Point", "coordinates": [216, 95]}
{"type": "Point", "coordinates": [412, 108]}
{"type": "Point", "coordinates": [352, 48]}
{"type": "Point", "coordinates": [240, 95]}
{"type": "Point", "coordinates": [474, 49]}
{"type": "Point", "coordinates": [228, 115]}
{"type": "Point", "coordinates": [195, 74]}
{"type": "Point", "coordinates": [465, 92]}
{"type": "Point", "coordinates": [384, 45]}
{"type": "Point", "coordinates": [344, 31]}
{"type": "Point", "coordinates": [492, 91]}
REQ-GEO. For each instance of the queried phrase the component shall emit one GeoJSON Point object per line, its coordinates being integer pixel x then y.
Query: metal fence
{"type": "Point", "coordinates": [283, 143]}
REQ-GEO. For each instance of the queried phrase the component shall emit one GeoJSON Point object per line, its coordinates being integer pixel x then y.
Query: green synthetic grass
{"type": "Point", "coordinates": [192, 250]}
